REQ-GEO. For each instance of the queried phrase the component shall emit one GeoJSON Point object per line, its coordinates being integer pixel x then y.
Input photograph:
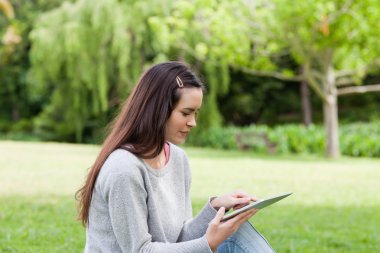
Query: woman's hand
{"type": "Point", "coordinates": [236, 200]}
{"type": "Point", "coordinates": [217, 231]}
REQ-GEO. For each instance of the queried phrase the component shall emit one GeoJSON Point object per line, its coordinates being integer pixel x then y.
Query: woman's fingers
{"type": "Point", "coordinates": [243, 217]}
{"type": "Point", "coordinates": [218, 231]}
{"type": "Point", "coordinates": [239, 206]}
{"type": "Point", "coordinates": [240, 201]}
{"type": "Point", "coordinates": [219, 215]}
{"type": "Point", "coordinates": [236, 200]}
{"type": "Point", "coordinates": [243, 194]}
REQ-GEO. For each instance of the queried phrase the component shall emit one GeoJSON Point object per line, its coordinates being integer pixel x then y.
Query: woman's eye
{"type": "Point", "coordinates": [185, 114]}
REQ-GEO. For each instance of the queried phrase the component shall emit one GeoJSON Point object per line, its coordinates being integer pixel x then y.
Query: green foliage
{"type": "Point", "coordinates": [361, 139]}
{"type": "Point", "coordinates": [357, 139]}
{"type": "Point", "coordinates": [260, 100]}
{"type": "Point", "coordinates": [87, 56]}
{"type": "Point", "coordinates": [207, 35]}
{"type": "Point", "coordinates": [83, 76]}
{"type": "Point", "coordinates": [351, 108]}
{"type": "Point", "coordinates": [15, 100]}
{"type": "Point", "coordinates": [316, 35]}
{"type": "Point", "coordinates": [214, 137]}
{"type": "Point", "coordinates": [297, 139]}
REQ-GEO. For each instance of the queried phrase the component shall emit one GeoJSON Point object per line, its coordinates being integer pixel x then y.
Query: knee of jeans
{"type": "Point", "coordinates": [232, 245]}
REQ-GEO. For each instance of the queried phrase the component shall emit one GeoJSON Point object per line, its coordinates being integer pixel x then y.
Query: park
{"type": "Point", "coordinates": [292, 104]}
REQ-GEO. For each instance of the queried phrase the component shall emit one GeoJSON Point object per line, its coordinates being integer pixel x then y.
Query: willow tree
{"type": "Point", "coordinates": [206, 34]}
{"type": "Point", "coordinates": [335, 43]}
{"type": "Point", "coordinates": [86, 56]}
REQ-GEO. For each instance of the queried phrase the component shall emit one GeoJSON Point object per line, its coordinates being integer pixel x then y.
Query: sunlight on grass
{"type": "Point", "coordinates": [335, 206]}
{"type": "Point", "coordinates": [347, 182]}
{"type": "Point", "coordinates": [49, 168]}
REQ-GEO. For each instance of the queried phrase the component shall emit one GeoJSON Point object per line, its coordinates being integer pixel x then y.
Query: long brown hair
{"type": "Point", "coordinates": [140, 126]}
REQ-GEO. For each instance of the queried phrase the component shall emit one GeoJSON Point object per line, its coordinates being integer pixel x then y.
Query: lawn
{"type": "Point", "coordinates": [335, 206]}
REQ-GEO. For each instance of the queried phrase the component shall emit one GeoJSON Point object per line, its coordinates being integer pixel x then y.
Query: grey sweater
{"type": "Point", "coordinates": [136, 208]}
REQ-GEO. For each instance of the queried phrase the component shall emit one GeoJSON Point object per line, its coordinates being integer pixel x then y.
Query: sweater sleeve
{"type": "Point", "coordinates": [197, 226]}
{"type": "Point", "coordinates": [126, 197]}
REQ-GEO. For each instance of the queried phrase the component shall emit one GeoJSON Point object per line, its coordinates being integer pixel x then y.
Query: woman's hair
{"type": "Point", "coordinates": [140, 126]}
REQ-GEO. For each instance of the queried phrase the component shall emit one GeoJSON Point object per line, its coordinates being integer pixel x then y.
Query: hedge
{"type": "Point", "coordinates": [356, 139]}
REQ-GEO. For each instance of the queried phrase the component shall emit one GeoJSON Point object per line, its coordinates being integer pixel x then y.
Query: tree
{"type": "Point", "coordinates": [334, 42]}
{"type": "Point", "coordinates": [87, 56]}
{"type": "Point", "coordinates": [91, 53]}
{"type": "Point", "coordinates": [16, 104]}
{"type": "Point", "coordinates": [205, 34]}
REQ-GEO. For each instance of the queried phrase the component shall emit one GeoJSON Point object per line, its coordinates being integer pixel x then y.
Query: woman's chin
{"type": "Point", "coordinates": [178, 141]}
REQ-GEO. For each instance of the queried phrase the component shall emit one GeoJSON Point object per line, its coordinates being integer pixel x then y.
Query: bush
{"type": "Point", "coordinates": [359, 139]}
{"type": "Point", "coordinates": [298, 139]}
{"type": "Point", "coordinates": [216, 137]}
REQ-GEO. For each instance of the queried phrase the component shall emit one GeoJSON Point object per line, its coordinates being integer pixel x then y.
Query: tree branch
{"type": "Point", "coordinates": [344, 73]}
{"type": "Point", "coordinates": [271, 74]}
{"type": "Point", "coordinates": [358, 89]}
{"type": "Point", "coordinates": [312, 82]}
{"type": "Point", "coordinates": [345, 81]}
{"type": "Point", "coordinates": [314, 85]}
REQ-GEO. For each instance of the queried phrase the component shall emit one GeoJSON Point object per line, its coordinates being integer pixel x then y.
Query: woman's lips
{"type": "Point", "coordinates": [184, 133]}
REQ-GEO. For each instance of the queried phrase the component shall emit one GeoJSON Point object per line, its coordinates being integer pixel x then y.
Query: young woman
{"type": "Point", "coordinates": [136, 195]}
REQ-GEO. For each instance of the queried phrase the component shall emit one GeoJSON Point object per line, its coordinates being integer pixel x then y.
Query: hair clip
{"type": "Point", "coordinates": [179, 82]}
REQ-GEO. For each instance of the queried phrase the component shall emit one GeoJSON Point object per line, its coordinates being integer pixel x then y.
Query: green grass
{"type": "Point", "coordinates": [335, 206]}
{"type": "Point", "coordinates": [39, 224]}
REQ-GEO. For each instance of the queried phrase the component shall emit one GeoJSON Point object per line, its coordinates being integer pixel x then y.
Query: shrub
{"type": "Point", "coordinates": [359, 139]}
{"type": "Point", "coordinates": [216, 137]}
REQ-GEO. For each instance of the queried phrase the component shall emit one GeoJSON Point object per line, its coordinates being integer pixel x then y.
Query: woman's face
{"type": "Point", "coordinates": [183, 117]}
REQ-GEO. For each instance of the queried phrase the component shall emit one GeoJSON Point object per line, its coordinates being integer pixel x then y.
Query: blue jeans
{"type": "Point", "coordinates": [246, 240]}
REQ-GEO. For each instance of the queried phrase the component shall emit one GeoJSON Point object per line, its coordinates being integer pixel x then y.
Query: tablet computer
{"type": "Point", "coordinates": [260, 204]}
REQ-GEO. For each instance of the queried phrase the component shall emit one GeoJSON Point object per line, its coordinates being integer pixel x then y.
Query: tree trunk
{"type": "Point", "coordinates": [330, 114]}
{"type": "Point", "coordinates": [15, 114]}
{"type": "Point", "coordinates": [306, 105]}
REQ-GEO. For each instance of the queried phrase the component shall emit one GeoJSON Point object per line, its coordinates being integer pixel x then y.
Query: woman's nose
{"type": "Point", "coordinates": [192, 123]}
